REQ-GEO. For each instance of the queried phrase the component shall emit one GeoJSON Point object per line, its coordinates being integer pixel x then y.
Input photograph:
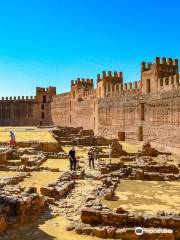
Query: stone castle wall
{"type": "Point", "coordinates": [27, 111]}
{"type": "Point", "coordinates": [60, 109]}
{"type": "Point", "coordinates": [158, 114]}
{"type": "Point", "coordinates": [148, 107]}
{"type": "Point", "coordinates": [117, 114]}
{"type": "Point", "coordinates": [145, 109]}
{"type": "Point", "coordinates": [17, 112]}
{"type": "Point", "coordinates": [67, 111]}
{"type": "Point", "coordinates": [162, 118]}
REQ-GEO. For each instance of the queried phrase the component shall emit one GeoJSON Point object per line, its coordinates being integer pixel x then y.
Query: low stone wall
{"type": "Point", "coordinates": [60, 188]}
{"type": "Point", "coordinates": [3, 157]}
{"type": "Point", "coordinates": [24, 168]}
{"type": "Point", "coordinates": [35, 160]}
{"type": "Point", "coordinates": [29, 160]}
{"type": "Point", "coordinates": [39, 146]}
{"type": "Point", "coordinates": [66, 131]}
{"type": "Point", "coordinates": [19, 207]}
{"type": "Point", "coordinates": [7, 153]}
{"type": "Point", "coordinates": [78, 136]}
{"type": "Point", "coordinates": [139, 174]}
{"type": "Point", "coordinates": [160, 168]}
{"type": "Point", "coordinates": [13, 180]}
{"type": "Point", "coordinates": [124, 233]}
{"type": "Point", "coordinates": [98, 220]}
{"type": "Point", "coordinates": [141, 168]}
{"type": "Point", "coordinates": [108, 217]}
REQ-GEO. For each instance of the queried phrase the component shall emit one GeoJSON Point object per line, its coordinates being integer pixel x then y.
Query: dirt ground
{"type": "Point", "coordinates": [52, 229]}
{"type": "Point", "coordinates": [147, 197]}
{"type": "Point", "coordinates": [25, 134]}
{"type": "Point", "coordinates": [136, 196]}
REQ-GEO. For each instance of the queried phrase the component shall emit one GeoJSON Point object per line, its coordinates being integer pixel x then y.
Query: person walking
{"type": "Point", "coordinates": [12, 139]}
{"type": "Point", "coordinates": [72, 159]}
{"type": "Point", "coordinates": [91, 157]}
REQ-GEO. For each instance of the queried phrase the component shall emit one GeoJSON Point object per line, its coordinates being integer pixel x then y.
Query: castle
{"type": "Point", "coordinates": [27, 111]}
{"type": "Point", "coordinates": [143, 109]}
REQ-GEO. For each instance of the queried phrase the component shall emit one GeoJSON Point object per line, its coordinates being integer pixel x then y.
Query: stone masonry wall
{"type": "Point", "coordinates": [60, 110]}
{"type": "Point", "coordinates": [27, 111]}
{"type": "Point", "coordinates": [147, 109]}
{"type": "Point", "coordinates": [117, 114]}
{"type": "Point", "coordinates": [157, 113]}
{"type": "Point", "coordinates": [17, 113]}
{"type": "Point", "coordinates": [69, 112]}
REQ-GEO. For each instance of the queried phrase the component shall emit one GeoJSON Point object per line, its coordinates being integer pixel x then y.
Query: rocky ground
{"type": "Point", "coordinates": [74, 204]}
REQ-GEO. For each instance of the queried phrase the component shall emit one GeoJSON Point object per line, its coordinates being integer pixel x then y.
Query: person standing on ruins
{"type": "Point", "coordinates": [91, 157]}
{"type": "Point", "coordinates": [72, 159]}
{"type": "Point", "coordinates": [12, 139]}
{"type": "Point", "coordinates": [95, 150]}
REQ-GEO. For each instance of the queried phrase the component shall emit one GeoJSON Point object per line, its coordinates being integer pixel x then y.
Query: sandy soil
{"type": "Point", "coordinates": [52, 229]}
{"type": "Point", "coordinates": [130, 147]}
{"type": "Point", "coordinates": [56, 228]}
{"type": "Point", "coordinates": [7, 174]}
{"type": "Point", "coordinates": [147, 196]}
{"type": "Point", "coordinates": [24, 134]}
{"type": "Point", "coordinates": [38, 179]}
{"type": "Point", "coordinates": [62, 164]}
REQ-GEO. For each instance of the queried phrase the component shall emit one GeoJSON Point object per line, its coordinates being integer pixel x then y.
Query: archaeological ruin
{"type": "Point", "coordinates": [134, 131]}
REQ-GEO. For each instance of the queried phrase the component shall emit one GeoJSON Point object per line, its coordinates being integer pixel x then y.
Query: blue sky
{"type": "Point", "coordinates": [50, 42]}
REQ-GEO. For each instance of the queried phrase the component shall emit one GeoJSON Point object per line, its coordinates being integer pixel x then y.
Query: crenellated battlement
{"type": "Point", "coordinates": [82, 82]}
{"type": "Point", "coordinates": [109, 82]}
{"type": "Point", "coordinates": [166, 82]}
{"type": "Point", "coordinates": [81, 88]}
{"type": "Point", "coordinates": [159, 62]}
{"type": "Point", "coordinates": [18, 99]}
{"type": "Point", "coordinates": [151, 73]}
{"type": "Point", "coordinates": [49, 90]}
{"type": "Point", "coordinates": [166, 61]}
{"type": "Point", "coordinates": [132, 85]}
{"type": "Point", "coordinates": [110, 76]}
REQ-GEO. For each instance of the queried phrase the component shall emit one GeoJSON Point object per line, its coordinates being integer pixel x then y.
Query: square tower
{"type": "Point", "coordinates": [152, 72]}
{"type": "Point", "coordinates": [109, 83]}
{"type": "Point", "coordinates": [81, 88]}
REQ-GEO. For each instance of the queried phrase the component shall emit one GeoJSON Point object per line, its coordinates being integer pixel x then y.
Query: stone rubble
{"type": "Point", "coordinates": [19, 207]}
{"type": "Point", "coordinates": [66, 196]}
{"type": "Point", "coordinates": [117, 149]}
{"type": "Point", "coordinates": [61, 188]}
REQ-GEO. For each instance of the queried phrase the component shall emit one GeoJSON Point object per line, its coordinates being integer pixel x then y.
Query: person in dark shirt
{"type": "Point", "coordinates": [72, 159]}
{"type": "Point", "coordinates": [91, 157]}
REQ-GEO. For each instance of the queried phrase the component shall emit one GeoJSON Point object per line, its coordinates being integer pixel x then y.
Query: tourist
{"type": "Point", "coordinates": [72, 159]}
{"type": "Point", "coordinates": [95, 153]}
{"type": "Point", "coordinates": [91, 157]}
{"type": "Point", "coordinates": [12, 139]}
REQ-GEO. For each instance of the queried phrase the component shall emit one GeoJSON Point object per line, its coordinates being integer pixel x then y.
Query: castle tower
{"type": "Point", "coordinates": [43, 99]}
{"type": "Point", "coordinates": [151, 73]}
{"type": "Point", "coordinates": [109, 83]}
{"type": "Point", "coordinates": [81, 88]}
